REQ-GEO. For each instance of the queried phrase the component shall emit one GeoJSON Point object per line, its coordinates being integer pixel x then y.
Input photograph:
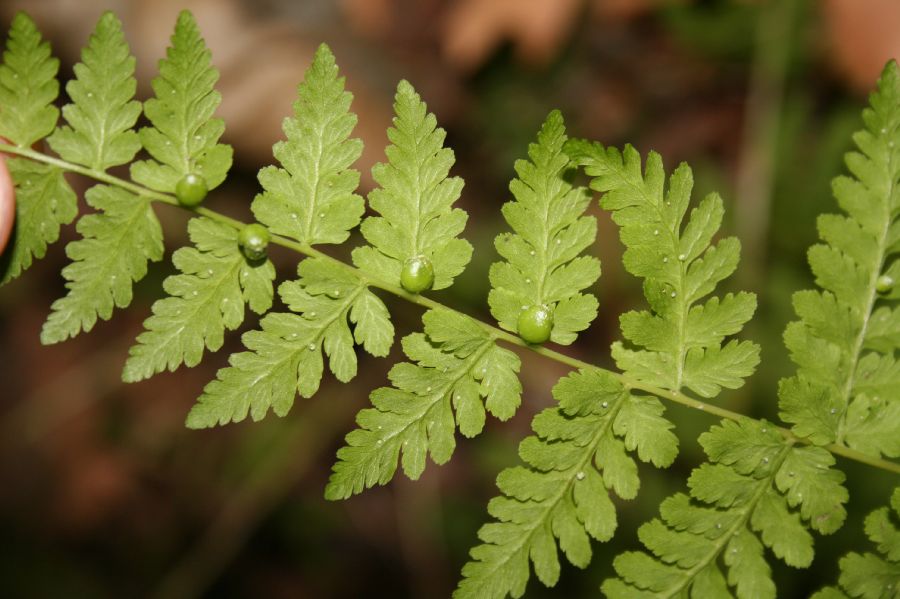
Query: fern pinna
{"type": "Point", "coordinates": [763, 487]}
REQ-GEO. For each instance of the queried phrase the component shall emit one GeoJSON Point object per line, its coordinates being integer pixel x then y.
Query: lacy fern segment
{"type": "Point", "coordinates": [103, 111]}
{"type": "Point", "coordinates": [543, 264]}
{"type": "Point", "coordinates": [124, 235]}
{"type": "Point", "coordinates": [414, 200]}
{"type": "Point", "coordinates": [28, 85]}
{"type": "Point", "coordinates": [455, 363]}
{"type": "Point", "coordinates": [311, 199]}
{"type": "Point", "coordinates": [207, 297]}
{"type": "Point", "coordinates": [873, 574]}
{"type": "Point", "coordinates": [757, 490]}
{"type": "Point", "coordinates": [847, 386]}
{"type": "Point", "coordinates": [183, 138]}
{"type": "Point", "coordinates": [682, 339]}
{"type": "Point", "coordinates": [578, 453]}
{"type": "Point", "coordinates": [45, 202]}
{"type": "Point", "coordinates": [285, 356]}
{"type": "Point", "coordinates": [117, 243]}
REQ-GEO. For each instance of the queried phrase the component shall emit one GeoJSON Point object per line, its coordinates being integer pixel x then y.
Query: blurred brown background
{"type": "Point", "coordinates": [103, 493]}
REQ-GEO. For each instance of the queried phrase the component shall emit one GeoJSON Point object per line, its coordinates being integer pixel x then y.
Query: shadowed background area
{"type": "Point", "coordinates": [104, 493]}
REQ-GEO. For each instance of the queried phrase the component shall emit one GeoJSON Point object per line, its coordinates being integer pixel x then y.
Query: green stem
{"type": "Point", "coordinates": [369, 280]}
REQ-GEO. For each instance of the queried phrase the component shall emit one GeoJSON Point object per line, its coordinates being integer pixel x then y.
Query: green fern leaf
{"type": "Point", "coordinates": [28, 85]}
{"type": "Point", "coordinates": [207, 297]}
{"type": "Point", "coordinates": [543, 266]}
{"type": "Point", "coordinates": [100, 118]}
{"type": "Point", "coordinates": [873, 575]}
{"type": "Point", "coordinates": [311, 199]}
{"type": "Point", "coordinates": [184, 136]}
{"type": "Point", "coordinates": [579, 450]}
{"type": "Point", "coordinates": [414, 200]}
{"type": "Point", "coordinates": [847, 386]}
{"type": "Point", "coordinates": [117, 243]}
{"type": "Point", "coordinates": [285, 356]}
{"type": "Point", "coordinates": [679, 341]}
{"type": "Point", "coordinates": [758, 491]}
{"type": "Point", "coordinates": [44, 201]}
{"type": "Point", "coordinates": [125, 234]}
{"type": "Point", "coordinates": [456, 363]}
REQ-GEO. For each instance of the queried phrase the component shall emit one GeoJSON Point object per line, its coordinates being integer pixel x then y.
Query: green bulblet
{"type": "Point", "coordinates": [417, 274]}
{"type": "Point", "coordinates": [535, 324]}
{"type": "Point", "coordinates": [254, 239]}
{"type": "Point", "coordinates": [884, 284]}
{"type": "Point", "coordinates": [191, 190]}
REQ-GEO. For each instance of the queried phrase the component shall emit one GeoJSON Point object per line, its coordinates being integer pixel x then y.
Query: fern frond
{"type": "Point", "coordinates": [311, 199]}
{"type": "Point", "coordinates": [124, 235]}
{"type": "Point", "coordinates": [28, 85]}
{"type": "Point", "coordinates": [758, 490]}
{"type": "Point", "coordinates": [560, 497]}
{"type": "Point", "coordinates": [183, 138]}
{"type": "Point", "coordinates": [543, 264]}
{"type": "Point", "coordinates": [285, 356]}
{"type": "Point", "coordinates": [207, 297]}
{"type": "Point", "coordinates": [847, 386]}
{"type": "Point", "coordinates": [117, 243]}
{"type": "Point", "coordinates": [103, 111]}
{"type": "Point", "coordinates": [44, 201]}
{"type": "Point", "coordinates": [874, 575]}
{"type": "Point", "coordinates": [681, 340]}
{"type": "Point", "coordinates": [455, 364]}
{"type": "Point", "coordinates": [414, 200]}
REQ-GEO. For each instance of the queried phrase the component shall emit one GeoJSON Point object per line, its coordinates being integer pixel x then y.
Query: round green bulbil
{"type": "Point", "coordinates": [417, 274]}
{"type": "Point", "coordinates": [191, 190]}
{"type": "Point", "coordinates": [535, 324]}
{"type": "Point", "coordinates": [884, 284]}
{"type": "Point", "coordinates": [254, 239]}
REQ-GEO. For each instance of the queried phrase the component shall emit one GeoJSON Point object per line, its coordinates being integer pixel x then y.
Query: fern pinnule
{"type": "Point", "coordinates": [561, 496]}
{"type": "Point", "coordinates": [543, 266]}
{"type": "Point", "coordinates": [457, 373]}
{"type": "Point", "coordinates": [758, 490]}
{"type": "Point", "coordinates": [311, 197]}
{"type": "Point", "coordinates": [681, 341]}
{"type": "Point", "coordinates": [847, 386]}
{"type": "Point", "coordinates": [416, 220]}
{"type": "Point", "coordinates": [28, 85]}
{"type": "Point", "coordinates": [206, 297]}
{"type": "Point", "coordinates": [285, 357]}
{"type": "Point", "coordinates": [183, 138]}
{"type": "Point", "coordinates": [99, 132]}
